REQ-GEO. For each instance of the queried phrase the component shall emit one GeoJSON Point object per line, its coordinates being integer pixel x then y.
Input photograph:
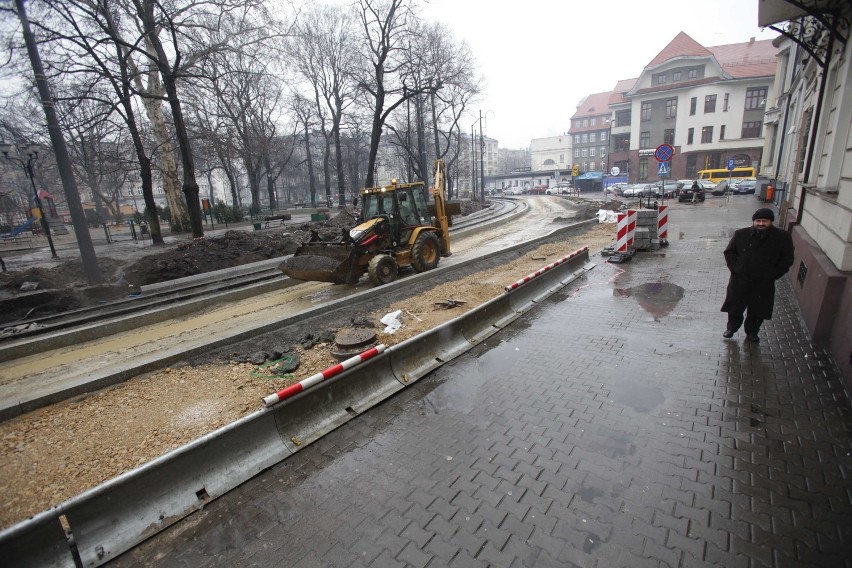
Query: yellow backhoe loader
{"type": "Point", "coordinates": [398, 227]}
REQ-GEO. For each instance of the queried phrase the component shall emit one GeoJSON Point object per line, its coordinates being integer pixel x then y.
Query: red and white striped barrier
{"type": "Point", "coordinates": [663, 222]}
{"type": "Point", "coordinates": [319, 377]}
{"type": "Point", "coordinates": [621, 233]}
{"type": "Point", "coordinates": [541, 271]}
{"type": "Point", "coordinates": [631, 226]}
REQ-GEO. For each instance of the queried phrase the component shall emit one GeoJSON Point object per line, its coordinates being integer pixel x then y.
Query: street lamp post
{"type": "Point", "coordinates": [32, 154]}
{"type": "Point", "coordinates": [473, 158]}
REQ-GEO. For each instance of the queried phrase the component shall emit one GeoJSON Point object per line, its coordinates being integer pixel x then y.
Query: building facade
{"type": "Point", "coordinates": [706, 102]}
{"type": "Point", "coordinates": [809, 162]}
{"type": "Point", "coordinates": [590, 130]}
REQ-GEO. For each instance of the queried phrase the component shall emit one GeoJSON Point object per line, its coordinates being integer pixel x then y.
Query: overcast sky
{"type": "Point", "coordinates": [540, 57]}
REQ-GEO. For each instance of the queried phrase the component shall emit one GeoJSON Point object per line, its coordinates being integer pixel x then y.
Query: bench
{"type": "Point", "coordinates": [278, 219]}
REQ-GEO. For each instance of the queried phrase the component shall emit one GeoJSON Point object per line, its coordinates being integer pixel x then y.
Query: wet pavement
{"type": "Point", "coordinates": [612, 426]}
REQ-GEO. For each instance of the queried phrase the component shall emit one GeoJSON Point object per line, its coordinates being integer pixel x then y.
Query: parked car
{"type": "Point", "coordinates": [745, 186]}
{"type": "Point", "coordinates": [538, 190]}
{"type": "Point", "coordinates": [685, 191]}
{"type": "Point", "coordinates": [558, 189]}
{"type": "Point", "coordinates": [668, 188]}
{"type": "Point", "coordinates": [721, 188]}
{"type": "Point", "coordinates": [618, 188]}
{"type": "Point", "coordinates": [517, 190]}
{"type": "Point", "coordinates": [641, 190]}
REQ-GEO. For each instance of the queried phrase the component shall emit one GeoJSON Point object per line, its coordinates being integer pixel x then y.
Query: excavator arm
{"type": "Point", "coordinates": [439, 193]}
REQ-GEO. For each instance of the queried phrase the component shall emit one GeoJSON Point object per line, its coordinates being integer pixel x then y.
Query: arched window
{"type": "Point", "coordinates": [549, 162]}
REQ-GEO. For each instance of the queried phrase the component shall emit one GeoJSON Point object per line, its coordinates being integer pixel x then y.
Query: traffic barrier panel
{"type": "Point", "coordinates": [663, 222]}
{"type": "Point", "coordinates": [621, 233]}
{"type": "Point", "coordinates": [313, 413]}
{"type": "Point", "coordinates": [38, 541]}
{"type": "Point", "coordinates": [487, 319]}
{"type": "Point", "coordinates": [631, 226]}
{"type": "Point", "coordinates": [119, 514]}
{"type": "Point", "coordinates": [416, 357]}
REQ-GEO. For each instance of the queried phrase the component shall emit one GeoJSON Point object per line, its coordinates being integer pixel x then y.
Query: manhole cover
{"type": "Point", "coordinates": [349, 339]}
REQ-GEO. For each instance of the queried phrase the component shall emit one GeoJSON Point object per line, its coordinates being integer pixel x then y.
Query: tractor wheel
{"type": "Point", "coordinates": [425, 252]}
{"type": "Point", "coordinates": [382, 270]}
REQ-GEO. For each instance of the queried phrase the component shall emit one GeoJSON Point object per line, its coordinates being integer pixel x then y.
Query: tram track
{"type": "Point", "coordinates": [183, 296]}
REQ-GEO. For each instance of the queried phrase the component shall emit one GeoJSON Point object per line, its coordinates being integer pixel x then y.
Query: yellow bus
{"type": "Point", "coordinates": [723, 174]}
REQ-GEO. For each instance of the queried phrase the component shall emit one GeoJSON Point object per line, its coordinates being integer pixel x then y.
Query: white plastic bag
{"type": "Point", "coordinates": [393, 321]}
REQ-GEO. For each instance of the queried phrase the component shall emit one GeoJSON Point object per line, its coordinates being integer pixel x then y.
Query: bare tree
{"type": "Point", "coordinates": [325, 54]}
{"type": "Point", "coordinates": [386, 29]}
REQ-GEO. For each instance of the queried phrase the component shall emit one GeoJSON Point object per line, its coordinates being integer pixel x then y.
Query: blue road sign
{"type": "Point", "coordinates": [731, 164]}
{"type": "Point", "coordinates": [663, 169]}
{"type": "Point", "coordinates": [664, 152]}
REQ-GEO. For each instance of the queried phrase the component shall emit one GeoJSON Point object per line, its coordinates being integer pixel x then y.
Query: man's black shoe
{"type": "Point", "coordinates": [752, 337]}
{"type": "Point", "coordinates": [727, 334]}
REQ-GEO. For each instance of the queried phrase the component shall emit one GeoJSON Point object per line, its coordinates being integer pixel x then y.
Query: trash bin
{"type": "Point", "coordinates": [770, 192]}
{"type": "Point", "coordinates": [143, 227]}
{"type": "Point", "coordinates": [256, 226]}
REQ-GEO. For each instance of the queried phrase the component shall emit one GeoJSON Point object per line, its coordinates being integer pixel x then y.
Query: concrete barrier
{"type": "Point", "coordinates": [38, 542]}
{"type": "Point", "coordinates": [119, 514]}
{"type": "Point", "coordinates": [310, 415]}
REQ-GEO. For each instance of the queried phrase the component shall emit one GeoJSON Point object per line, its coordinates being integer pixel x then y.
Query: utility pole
{"type": "Point", "coordinates": [481, 157]}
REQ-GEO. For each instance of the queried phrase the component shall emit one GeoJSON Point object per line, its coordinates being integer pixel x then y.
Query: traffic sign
{"type": "Point", "coordinates": [663, 169]}
{"type": "Point", "coordinates": [615, 171]}
{"type": "Point", "coordinates": [664, 152]}
{"type": "Point", "coordinates": [575, 171]}
{"type": "Point", "coordinates": [731, 164]}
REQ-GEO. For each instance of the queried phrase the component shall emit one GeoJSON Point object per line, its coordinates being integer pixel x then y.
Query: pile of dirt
{"type": "Point", "coordinates": [64, 287]}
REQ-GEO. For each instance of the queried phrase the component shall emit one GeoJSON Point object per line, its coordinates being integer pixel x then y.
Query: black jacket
{"type": "Point", "coordinates": [755, 264]}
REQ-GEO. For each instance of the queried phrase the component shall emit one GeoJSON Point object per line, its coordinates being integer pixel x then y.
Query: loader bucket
{"type": "Point", "coordinates": [322, 262]}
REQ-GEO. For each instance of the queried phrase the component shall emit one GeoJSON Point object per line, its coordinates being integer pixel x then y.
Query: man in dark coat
{"type": "Point", "coordinates": [757, 256]}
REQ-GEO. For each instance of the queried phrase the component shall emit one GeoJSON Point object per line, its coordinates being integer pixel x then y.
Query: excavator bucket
{"type": "Point", "coordinates": [323, 262]}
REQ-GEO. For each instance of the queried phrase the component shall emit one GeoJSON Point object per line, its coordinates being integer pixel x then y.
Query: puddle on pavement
{"type": "Point", "coordinates": [463, 393]}
{"type": "Point", "coordinates": [638, 397]}
{"type": "Point", "coordinates": [656, 298]}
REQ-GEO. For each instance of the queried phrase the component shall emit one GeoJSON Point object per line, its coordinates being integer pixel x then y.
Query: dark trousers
{"type": "Point", "coordinates": [735, 320]}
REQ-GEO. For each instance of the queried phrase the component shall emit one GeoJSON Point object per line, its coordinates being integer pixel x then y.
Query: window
{"type": "Point", "coordinates": [707, 135]}
{"type": "Point", "coordinates": [621, 142]}
{"type": "Point", "coordinates": [603, 136]}
{"type": "Point", "coordinates": [603, 151]}
{"type": "Point", "coordinates": [754, 97]}
{"type": "Point", "coordinates": [593, 121]}
{"type": "Point", "coordinates": [591, 136]}
{"type": "Point", "coordinates": [722, 132]}
{"type": "Point", "coordinates": [592, 152]}
{"type": "Point", "coordinates": [576, 139]}
{"type": "Point", "coordinates": [585, 152]}
{"type": "Point", "coordinates": [643, 168]}
{"type": "Point", "coordinates": [710, 103]}
{"type": "Point", "coordinates": [725, 104]}
{"type": "Point", "coordinates": [561, 158]}
{"type": "Point", "coordinates": [645, 139]}
{"type": "Point", "coordinates": [585, 122]}
{"type": "Point", "coordinates": [646, 111]}
{"type": "Point", "coordinates": [668, 136]}
{"type": "Point", "coordinates": [661, 79]}
{"type": "Point", "coordinates": [692, 74]}
{"type": "Point", "coordinates": [623, 118]}
{"type": "Point", "coordinates": [693, 102]}
{"type": "Point", "coordinates": [576, 152]}
{"type": "Point", "coordinates": [671, 108]}
{"type": "Point", "coordinates": [676, 76]}
{"type": "Point", "coordinates": [690, 135]}
{"type": "Point", "coordinates": [751, 129]}
{"type": "Point", "coordinates": [585, 138]}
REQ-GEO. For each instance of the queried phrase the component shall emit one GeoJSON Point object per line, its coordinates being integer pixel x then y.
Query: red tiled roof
{"type": "Point", "coordinates": [617, 95]}
{"type": "Point", "coordinates": [593, 105]}
{"type": "Point", "coordinates": [748, 59]}
{"type": "Point", "coordinates": [681, 46]}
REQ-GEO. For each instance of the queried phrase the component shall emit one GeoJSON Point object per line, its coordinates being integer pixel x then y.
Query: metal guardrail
{"type": "Point", "coordinates": [120, 513]}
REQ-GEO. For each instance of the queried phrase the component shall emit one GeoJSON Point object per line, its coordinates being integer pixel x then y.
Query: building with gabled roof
{"type": "Point", "coordinates": [707, 102]}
